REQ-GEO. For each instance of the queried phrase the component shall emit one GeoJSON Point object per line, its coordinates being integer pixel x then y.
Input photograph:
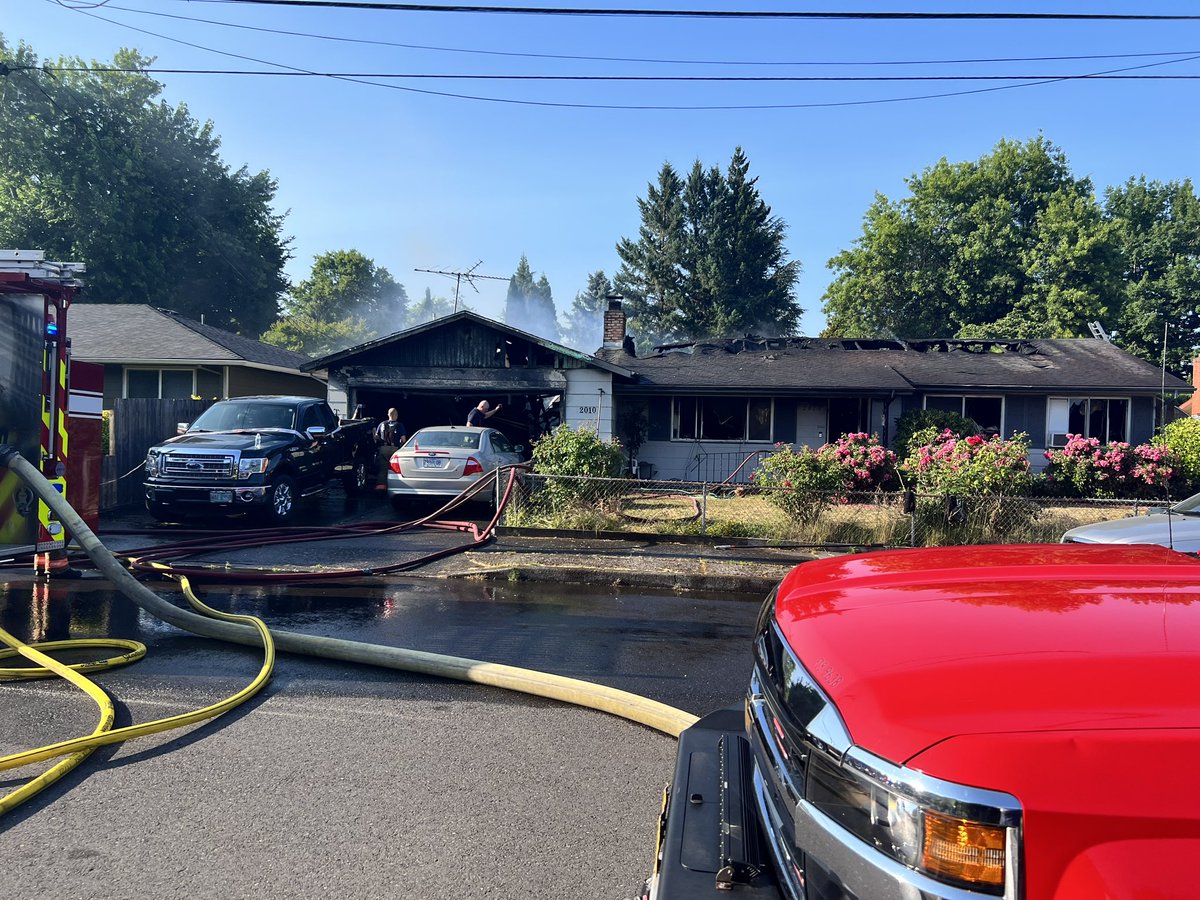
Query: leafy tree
{"type": "Point", "coordinates": [582, 327]}
{"type": "Point", "coordinates": [709, 260]}
{"type": "Point", "coordinates": [429, 308]}
{"type": "Point", "coordinates": [95, 168]}
{"type": "Point", "coordinates": [1159, 228]}
{"type": "Point", "coordinates": [346, 300]}
{"type": "Point", "coordinates": [529, 304]}
{"type": "Point", "coordinates": [1012, 245]}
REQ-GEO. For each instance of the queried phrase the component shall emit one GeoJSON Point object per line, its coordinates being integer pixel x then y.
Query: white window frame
{"type": "Point", "coordinates": [159, 370]}
{"type": "Point", "coordinates": [962, 405]}
{"type": "Point", "coordinates": [698, 398]}
{"type": "Point", "coordinates": [1062, 406]}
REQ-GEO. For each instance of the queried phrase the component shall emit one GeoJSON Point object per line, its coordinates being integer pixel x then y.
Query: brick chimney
{"type": "Point", "coordinates": [614, 323]}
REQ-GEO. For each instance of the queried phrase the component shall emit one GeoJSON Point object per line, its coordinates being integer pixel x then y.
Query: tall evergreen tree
{"type": "Point", "coordinates": [651, 277]}
{"type": "Point", "coordinates": [582, 328]}
{"type": "Point", "coordinates": [529, 304]}
{"type": "Point", "coordinates": [429, 308]}
{"type": "Point", "coordinates": [710, 260]}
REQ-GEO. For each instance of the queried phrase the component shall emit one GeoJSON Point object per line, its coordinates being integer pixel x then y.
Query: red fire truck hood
{"type": "Point", "coordinates": [917, 646]}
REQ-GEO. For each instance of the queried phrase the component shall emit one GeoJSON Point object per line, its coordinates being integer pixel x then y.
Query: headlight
{"type": "Point", "coordinates": [951, 849]}
{"type": "Point", "coordinates": [255, 466]}
{"type": "Point", "coordinates": [151, 464]}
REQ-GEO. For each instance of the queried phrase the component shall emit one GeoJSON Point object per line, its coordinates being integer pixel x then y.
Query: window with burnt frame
{"type": "Point", "coordinates": [722, 419]}
{"type": "Point", "coordinates": [986, 412]}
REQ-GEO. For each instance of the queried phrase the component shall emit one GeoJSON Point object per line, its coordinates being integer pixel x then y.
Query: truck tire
{"type": "Point", "coordinates": [355, 482]}
{"type": "Point", "coordinates": [282, 500]}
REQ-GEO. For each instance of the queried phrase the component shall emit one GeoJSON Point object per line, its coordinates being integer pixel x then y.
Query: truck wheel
{"type": "Point", "coordinates": [281, 504]}
{"type": "Point", "coordinates": [356, 481]}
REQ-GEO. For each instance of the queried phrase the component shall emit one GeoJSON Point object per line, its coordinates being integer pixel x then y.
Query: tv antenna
{"type": "Point", "coordinates": [469, 275]}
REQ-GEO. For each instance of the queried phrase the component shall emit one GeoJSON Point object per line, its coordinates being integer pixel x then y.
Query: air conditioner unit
{"type": "Point", "coordinates": [1059, 438]}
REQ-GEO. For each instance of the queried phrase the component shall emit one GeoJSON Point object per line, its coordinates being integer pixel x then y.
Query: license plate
{"type": "Point", "coordinates": [428, 463]}
{"type": "Point", "coordinates": [220, 496]}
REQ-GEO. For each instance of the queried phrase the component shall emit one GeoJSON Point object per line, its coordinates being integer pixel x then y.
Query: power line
{"type": "Point", "coordinates": [713, 13]}
{"type": "Point", "coordinates": [449, 76]}
{"type": "Point", "coordinates": [553, 104]}
{"type": "Point", "coordinates": [635, 59]}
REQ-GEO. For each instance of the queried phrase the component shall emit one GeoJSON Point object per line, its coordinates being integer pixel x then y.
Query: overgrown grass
{"type": "Point", "coordinates": [882, 521]}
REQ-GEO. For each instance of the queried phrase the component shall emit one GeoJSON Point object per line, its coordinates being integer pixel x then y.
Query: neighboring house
{"type": "Point", "coordinates": [150, 352]}
{"type": "Point", "coordinates": [1191, 406]}
{"type": "Point", "coordinates": [705, 405]}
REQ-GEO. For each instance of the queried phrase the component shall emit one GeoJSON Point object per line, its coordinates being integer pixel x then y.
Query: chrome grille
{"type": "Point", "coordinates": [198, 465]}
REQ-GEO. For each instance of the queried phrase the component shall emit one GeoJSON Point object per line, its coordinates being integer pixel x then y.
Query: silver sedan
{"type": "Point", "coordinates": [446, 460]}
{"type": "Point", "coordinates": [1177, 526]}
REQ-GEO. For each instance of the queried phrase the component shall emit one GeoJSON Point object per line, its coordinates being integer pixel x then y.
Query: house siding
{"type": "Point", "coordinates": [1023, 414]}
{"type": "Point", "coordinates": [245, 382]}
{"type": "Point", "coordinates": [588, 401]}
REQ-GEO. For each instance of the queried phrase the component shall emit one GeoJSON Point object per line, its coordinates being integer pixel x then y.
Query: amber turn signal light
{"type": "Point", "coordinates": [964, 851]}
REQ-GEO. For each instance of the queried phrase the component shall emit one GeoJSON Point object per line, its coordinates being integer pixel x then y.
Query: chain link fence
{"type": "Point", "coordinates": [753, 511]}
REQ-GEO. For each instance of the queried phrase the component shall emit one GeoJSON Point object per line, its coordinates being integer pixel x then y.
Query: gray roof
{"type": "Point", "coordinates": [803, 366]}
{"type": "Point", "coordinates": [137, 333]}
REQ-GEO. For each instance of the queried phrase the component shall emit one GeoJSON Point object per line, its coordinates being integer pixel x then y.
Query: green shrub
{"type": "Point", "coordinates": [917, 420]}
{"type": "Point", "coordinates": [577, 451]}
{"type": "Point", "coordinates": [802, 483]}
{"type": "Point", "coordinates": [1183, 437]}
{"type": "Point", "coordinates": [570, 455]}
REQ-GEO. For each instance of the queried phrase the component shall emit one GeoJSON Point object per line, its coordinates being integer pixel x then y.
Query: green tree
{"type": "Point", "coordinates": [584, 321]}
{"type": "Point", "coordinates": [346, 300]}
{"type": "Point", "coordinates": [429, 308]}
{"type": "Point", "coordinates": [709, 260]}
{"type": "Point", "coordinates": [1159, 228]}
{"type": "Point", "coordinates": [529, 304]}
{"type": "Point", "coordinates": [651, 276]}
{"type": "Point", "coordinates": [1012, 245]}
{"type": "Point", "coordinates": [95, 168]}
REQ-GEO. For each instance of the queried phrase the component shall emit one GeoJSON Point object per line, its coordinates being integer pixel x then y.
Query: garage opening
{"type": "Point", "coordinates": [523, 417]}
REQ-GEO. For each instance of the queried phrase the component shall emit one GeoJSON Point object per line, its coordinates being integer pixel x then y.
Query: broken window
{"type": "Point", "coordinates": [986, 412]}
{"type": "Point", "coordinates": [722, 419]}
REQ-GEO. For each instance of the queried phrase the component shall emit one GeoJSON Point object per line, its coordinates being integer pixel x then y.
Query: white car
{"type": "Point", "coordinates": [446, 460]}
{"type": "Point", "coordinates": [1177, 527]}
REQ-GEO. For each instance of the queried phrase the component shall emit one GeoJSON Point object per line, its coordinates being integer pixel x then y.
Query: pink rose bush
{"type": "Point", "coordinates": [1087, 468]}
{"type": "Point", "coordinates": [947, 463]}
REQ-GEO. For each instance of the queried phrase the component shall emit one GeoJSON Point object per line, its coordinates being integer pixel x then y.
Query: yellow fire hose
{"type": "Point", "coordinates": [251, 631]}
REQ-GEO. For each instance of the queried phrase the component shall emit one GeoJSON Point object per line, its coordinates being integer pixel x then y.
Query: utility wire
{"type": "Point", "coordinates": [629, 107]}
{"type": "Point", "coordinates": [635, 59]}
{"type": "Point", "coordinates": [710, 13]}
{"type": "Point", "coordinates": [154, 70]}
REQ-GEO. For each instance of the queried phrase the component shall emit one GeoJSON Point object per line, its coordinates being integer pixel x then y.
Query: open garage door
{"type": "Point", "coordinates": [523, 417]}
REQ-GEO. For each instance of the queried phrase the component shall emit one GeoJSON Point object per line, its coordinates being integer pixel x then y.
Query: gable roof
{"type": "Point", "coordinates": [135, 333]}
{"type": "Point", "coordinates": [467, 316]}
{"type": "Point", "coordinates": [800, 366]}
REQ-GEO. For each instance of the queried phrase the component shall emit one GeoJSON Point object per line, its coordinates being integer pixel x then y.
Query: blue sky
{"type": "Point", "coordinates": [417, 180]}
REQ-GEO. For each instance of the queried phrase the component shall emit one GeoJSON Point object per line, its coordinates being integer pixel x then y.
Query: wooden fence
{"type": "Point", "coordinates": [137, 425]}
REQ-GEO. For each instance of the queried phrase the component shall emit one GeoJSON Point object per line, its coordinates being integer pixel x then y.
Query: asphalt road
{"type": "Point", "coordinates": [348, 781]}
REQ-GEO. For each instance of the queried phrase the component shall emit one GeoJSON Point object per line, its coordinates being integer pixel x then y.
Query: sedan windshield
{"type": "Point", "coordinates": [445, 440]}
{"type": "Point", "coordinates": [1190, 506]}
{"type": "Point", "coordinates": [232, 416]}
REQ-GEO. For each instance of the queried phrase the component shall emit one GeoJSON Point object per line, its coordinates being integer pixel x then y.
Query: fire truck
{"type": "Point", "coordinates": [42, 414]}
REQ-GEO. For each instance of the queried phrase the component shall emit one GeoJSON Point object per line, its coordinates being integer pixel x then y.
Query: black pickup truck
{"type": "Point", "coordinates": [257, 454]}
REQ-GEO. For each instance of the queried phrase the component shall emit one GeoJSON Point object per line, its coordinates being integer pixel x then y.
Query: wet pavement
{"type": "Point", "coordinates": [351, 781]}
